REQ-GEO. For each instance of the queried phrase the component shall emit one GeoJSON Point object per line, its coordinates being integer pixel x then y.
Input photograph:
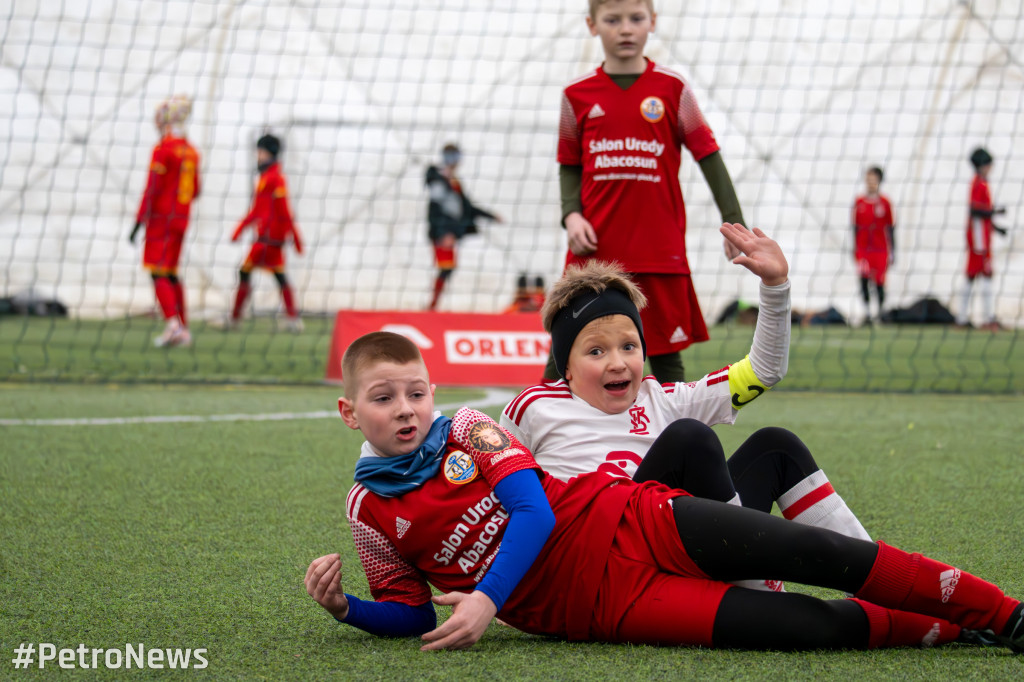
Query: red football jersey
{"type": "Point", "coordinates": [629, 143]}
{"type": "Point", "coordinates": [172, 185]}
{"type": "Point", "coordinates": [872, 216]}
{"type": "Point", "coordinates": [271, 212]}
{"type": "Point", "coordinates": [979, 230]}
{"type": "Point", "coordinates": [446, 533]}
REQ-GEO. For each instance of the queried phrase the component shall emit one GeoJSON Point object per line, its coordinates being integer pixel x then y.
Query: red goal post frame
{"type": "Point", "coordinates": [460, 349]}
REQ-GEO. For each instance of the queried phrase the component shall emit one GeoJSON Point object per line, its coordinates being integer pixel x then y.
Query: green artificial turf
{"type": "Point", "coordinates": [198, 534]}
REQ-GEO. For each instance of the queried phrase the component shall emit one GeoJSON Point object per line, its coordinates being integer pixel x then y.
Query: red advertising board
{"type": "Point", "coordinates": [460, 349]}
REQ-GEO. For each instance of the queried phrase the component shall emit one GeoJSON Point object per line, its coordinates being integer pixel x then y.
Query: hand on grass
{"type": "Point", "coordinates": [323, 584]}
{"type": "Point", "coordinates": [471, 614]}
{"type": "Point", "coordinates": [761, 254]}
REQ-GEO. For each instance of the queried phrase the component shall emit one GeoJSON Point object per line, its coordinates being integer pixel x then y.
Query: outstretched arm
{"type": "Point", "coordinates": [768, 360]}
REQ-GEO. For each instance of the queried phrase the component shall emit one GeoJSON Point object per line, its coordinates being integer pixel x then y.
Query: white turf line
{"type": "Point", "coordinates": [492, 397]}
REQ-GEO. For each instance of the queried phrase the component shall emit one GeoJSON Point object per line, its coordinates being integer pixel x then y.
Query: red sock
{"type": "Point", "coordinates": [889, 628]}
{"type": "Point", "coordinates": [179, 294]}
{"type": "Point", "coordinates": [289, 300]}
{"type": "Point", "coordinates": [166, 297]}
{"type": "Point", "coordinates": [243, 293]}
{"type": "Point", "coordinates": [913, 582]}
{"type": "Point", "coordinates": [438, 288]}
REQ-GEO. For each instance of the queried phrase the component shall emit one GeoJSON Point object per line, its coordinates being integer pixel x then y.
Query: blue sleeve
{"type": "Point", "coordinates": [390, 619]}
{"type": "Point", "coordinates": [530, 523]}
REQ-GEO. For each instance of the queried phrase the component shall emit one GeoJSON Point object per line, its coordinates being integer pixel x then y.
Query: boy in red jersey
{"type": "Point", "coordinates": [874, 247]}
{"type": "Point", "coordinates": [274, 226]}
{"type": "Point", "coordinates": [172, 185]}
{"type": "Point", "coordinates": [621, 134]}
{"type": "Point", "coordinates": [462, 506]}
{"type": "Point", "coordinates": [979, 242]}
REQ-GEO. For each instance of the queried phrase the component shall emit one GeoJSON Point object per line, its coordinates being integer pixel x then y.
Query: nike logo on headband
{"type": "Point", "coordinates": [577, 313]}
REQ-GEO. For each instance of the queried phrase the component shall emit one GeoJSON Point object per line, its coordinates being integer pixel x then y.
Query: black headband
{"type": "Point", "coordinates": [571, 320]}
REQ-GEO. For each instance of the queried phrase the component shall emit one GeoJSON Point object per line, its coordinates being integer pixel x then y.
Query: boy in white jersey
{"type": "Point", "coordinates": [606, 416]}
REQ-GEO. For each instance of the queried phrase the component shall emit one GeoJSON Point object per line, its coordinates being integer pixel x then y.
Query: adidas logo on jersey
{"type": "Point", "coordinates": [595, 111]}
{"type": "Point", "coordinates": [948, 581]}
{"type": "Point", "coordinates": [678, 336]}
{"type": "Point", "coordinates": [402, 526]}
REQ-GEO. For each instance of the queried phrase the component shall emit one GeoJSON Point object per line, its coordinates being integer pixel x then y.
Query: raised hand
{"type": "Point", "coordinates": [760, 253]}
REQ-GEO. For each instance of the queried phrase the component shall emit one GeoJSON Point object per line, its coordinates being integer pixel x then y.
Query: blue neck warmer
{"type": "Point", "coordinates": [395, 476]}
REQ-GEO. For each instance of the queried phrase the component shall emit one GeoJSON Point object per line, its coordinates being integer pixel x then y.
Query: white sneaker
{"type": "Point", "coordinates": [291, 324]}
{"type": "Point", "coordinates": [184, 338]}
{"type": "Point", "coordinates": [174, 335]}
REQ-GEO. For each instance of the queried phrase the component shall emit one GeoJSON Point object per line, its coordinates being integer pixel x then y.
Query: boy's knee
{"type": "Point", "coordinates": [784, 441]}
{"type": "Point", "coordinates": [690, 430]}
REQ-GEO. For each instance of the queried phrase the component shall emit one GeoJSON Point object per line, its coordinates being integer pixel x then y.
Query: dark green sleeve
{"type": "Point", "coordinates": [717, 176]}
{"type": "Point", "coordinates": [570, 180]}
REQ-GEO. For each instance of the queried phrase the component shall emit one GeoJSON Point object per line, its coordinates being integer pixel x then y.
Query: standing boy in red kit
{"type": "Point", "coordinates": [873, 238]}
{"type": "Point", "coordinates": [979, 243]}
{"type": "Point", "coordinates": [274, 226]}
{"type": "Point", "coordinates": [621, 134]}
{"type": "Point", "coordinates": [172, 185]}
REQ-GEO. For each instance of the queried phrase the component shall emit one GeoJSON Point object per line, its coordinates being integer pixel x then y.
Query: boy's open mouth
{"type": "Point", "coordinates": [617, 385]}
{"type": "Point", "coordinates": [407, 431]}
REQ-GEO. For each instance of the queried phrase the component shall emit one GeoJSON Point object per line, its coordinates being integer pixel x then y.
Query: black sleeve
{"type": "Point", "coordinates": [570, 181]}
{"type": "Point", "coordinates": [717, 177]}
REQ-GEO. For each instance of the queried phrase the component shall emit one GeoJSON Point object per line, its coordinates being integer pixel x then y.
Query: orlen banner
{"type": "Point", "coordinates": [460, 349]}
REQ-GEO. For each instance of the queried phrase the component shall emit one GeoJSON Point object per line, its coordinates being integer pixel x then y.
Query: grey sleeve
{"type": "Point", "coordinates": [769, 352]}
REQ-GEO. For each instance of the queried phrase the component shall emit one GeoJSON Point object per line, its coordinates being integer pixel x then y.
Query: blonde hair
{"type": "Point", "coordinates": [595, 276]}
{"type": "Point", "coordinates": [595, 4]}
{"type": "Point", "coordinates": [174, 111]}
{"type": "Point", "coordinates": [371, 349]}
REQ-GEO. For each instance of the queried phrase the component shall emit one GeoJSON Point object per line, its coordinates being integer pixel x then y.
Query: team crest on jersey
{"type": "Point", "coordinates": [652, 109]}
{"type": "Point", "coordinates": [459, 468]}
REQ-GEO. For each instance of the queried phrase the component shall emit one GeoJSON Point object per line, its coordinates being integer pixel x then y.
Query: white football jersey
{"type": "Point", "coordinates": [569, 437]}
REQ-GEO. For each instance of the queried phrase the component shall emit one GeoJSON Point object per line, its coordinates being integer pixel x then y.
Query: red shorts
{"type": "Point", "coordinates": [978, 264]}
{"type": "Point", "coordinates": [672, 319]}
{"type": "Point", "coordinates": [872, 265]}
{"type": "Point", "coordinates": [444, 257]}
{"type": "Point", "coordinates": [162, 251]}
{"type": "Point", "coordinates": [652, 592]}
{"type": "Point", "coordinates": [264, 256]}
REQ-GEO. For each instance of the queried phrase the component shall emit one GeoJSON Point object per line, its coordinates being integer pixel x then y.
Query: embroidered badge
{"type": "Point", "coordinates": [459, 468]}
{"type": "Point", "coordinates": [652, 109]}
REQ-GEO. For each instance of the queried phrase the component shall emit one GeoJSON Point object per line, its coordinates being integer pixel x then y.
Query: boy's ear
{"type": "Point", "coordinates": [654, 21]}
{"type": "Point", "coordinates": [347, 412]}
{"type": "Point", "coordinates": [592, 26]}
{"type": "Point", "coordinates": [433, 387]}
